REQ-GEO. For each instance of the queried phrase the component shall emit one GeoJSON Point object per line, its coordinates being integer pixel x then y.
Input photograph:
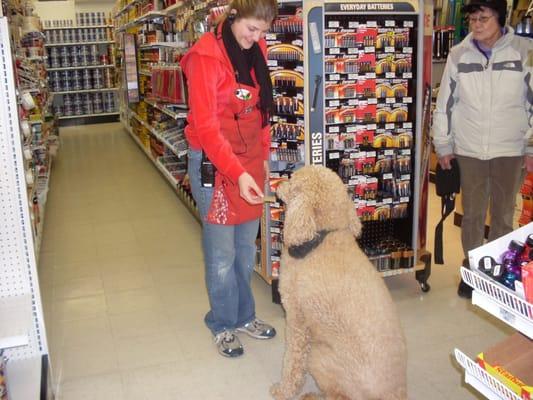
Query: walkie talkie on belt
{"type": "Point", "coordinates": [207, 172]}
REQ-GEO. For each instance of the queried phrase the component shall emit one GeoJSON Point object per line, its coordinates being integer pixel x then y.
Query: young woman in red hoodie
{"type": "Point", "coordinates": [230, 99]}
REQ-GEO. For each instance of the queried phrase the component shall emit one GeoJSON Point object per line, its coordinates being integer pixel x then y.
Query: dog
{"type": "Point", "coordinates": [341, 323]}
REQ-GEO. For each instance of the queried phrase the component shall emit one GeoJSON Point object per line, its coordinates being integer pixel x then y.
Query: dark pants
{"type": "Point", "coordinates": [489, 184]}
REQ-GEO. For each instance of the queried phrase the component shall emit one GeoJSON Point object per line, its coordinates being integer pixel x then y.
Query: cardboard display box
{"type": "Point", "coordinates": [511, 362]}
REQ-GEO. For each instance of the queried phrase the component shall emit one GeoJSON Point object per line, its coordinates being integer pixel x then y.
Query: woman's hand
{"type": "Point", "coordinates": [446, 161]}
{"type": "Point", "coordinates": [249, 190]}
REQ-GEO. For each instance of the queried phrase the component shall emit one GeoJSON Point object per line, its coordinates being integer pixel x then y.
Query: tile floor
{"type": "Point", "coordinates": [122, 286]}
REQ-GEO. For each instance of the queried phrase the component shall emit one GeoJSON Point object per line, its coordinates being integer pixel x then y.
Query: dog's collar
{"type": "Point", "coordinates": [302, 250]}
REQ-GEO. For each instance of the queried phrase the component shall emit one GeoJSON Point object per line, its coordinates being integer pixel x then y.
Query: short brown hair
{"type": "Point", "coordinates": [264, 10]}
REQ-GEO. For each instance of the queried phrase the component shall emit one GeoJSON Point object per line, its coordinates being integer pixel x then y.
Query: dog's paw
{"type": "Point", "coordinates": [277, 392]}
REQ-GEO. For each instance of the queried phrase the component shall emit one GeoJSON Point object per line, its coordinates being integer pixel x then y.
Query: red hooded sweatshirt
{"type": "Point", "coordinates": [210, 78]}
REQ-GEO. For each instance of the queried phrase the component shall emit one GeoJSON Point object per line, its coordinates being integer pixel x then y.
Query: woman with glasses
{"type": "Point", "coordinates": [230, 100]}
{"type": "Point", "coordinates": [483, 120]}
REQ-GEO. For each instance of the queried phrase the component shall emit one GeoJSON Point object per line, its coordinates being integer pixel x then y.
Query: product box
{"type": "Point", "coordinates": [511, 362]}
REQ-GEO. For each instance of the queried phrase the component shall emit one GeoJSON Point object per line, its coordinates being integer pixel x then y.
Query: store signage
{"type": "Point", "coordinates": [369, 7]}
{"type": "Point", "coordinates": [317, 148]}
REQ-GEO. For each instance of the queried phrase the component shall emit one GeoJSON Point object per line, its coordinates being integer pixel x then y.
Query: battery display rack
{"type": "Point", "coordinates": [364, 115]}
{"type": "Point", "coordinates": [287, 151]}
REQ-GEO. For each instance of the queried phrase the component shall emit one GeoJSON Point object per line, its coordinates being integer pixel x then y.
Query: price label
{"type": "Point", "coordinates": [273, 229]}
{"type": "Point", "coordinates": [405, 152]}
{"type": "Point", "coordinates": [274, 145]}
{"type": "Point", "coordinates": [372, 100]}
{"type": "Point", "coordinates": [390, 23]}
{"type": "Point", "coordinates": [389, 126]}
{"type": "Point", "coordinates": [333, 129]}
{"type": "Point", "coordinates": [371, 154]}
{"type": "Point", "coordinates": [351, 129]}
{"type": "Point", "coordinates": [352, 50]}
{"type": "Point", "coordinates": [389, 152]}
{"type": "Point", "coordinates": [334, 103]}
{"type": "Point", "coordinates": [298, 42]}
{"type": "Point", "coordinates": [271, 36]}
{"type": "Point", "coordinates": [371, 127]}
{"type": "Point", "coordinates": [334, 50]}
{"type": "Point", "coordinates": [299, 68]}
{"type": "Point", "coordinates": [407, 75]}
{"type": "Point", "coordinates": [404, 199]}
{"type": "Point", "coordinates": [406, 177]}
{"type": "Point", "coordinates": [390, 49]}
{"type": "Point", "coordinates": [387, 176]}
{"type": "Point", "coordinates": [371, 203]}
{"type": "Point", "coordinates": [390, 75]}
{"type": "Point", "coordinates": [353, 77]}
{"type": "Point", "coordinates": [353, 182]}
{"type": "Point", "coordinates": [353, 102]}
{"type": "Point", "coordinates": [275, 258]}
{"type": "Point", "coordinates": [353, 24]}
{"type": "Point", "coordinates": [370, 49]}
{"type": "Point", "coordinates": [272, 63]}
{"type": "Point", "coordinates": [407, 125]}
{"type": "Point", "coordinates": [390, 100]}
{"type": "Point", "coordinates": [333, 24]}
{"type": "Point", "coordinates": [408, 50]}
{"type": "Point", "coordinates": [507, 316]}
{"type": "Point", "coordinates": [407, 100]}
{"type": "Point", "coordinates": [370, 75]}
{"type": "Point", "coordinates": [300, 96]}
{"type": "Point", "coordinates": [334, 156]}
{"type": "Point", "coordinates": [387, 201]}
{"type": "Point", "coordinates": [334, 77]}
{"type": "Point", "coordinates": [372, 24]}
{"type": "Point", "coordinates": [408, 24]}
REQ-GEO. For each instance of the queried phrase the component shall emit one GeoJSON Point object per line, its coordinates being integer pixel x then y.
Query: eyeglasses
{"type": "Point", "coordinates": [482, 19]}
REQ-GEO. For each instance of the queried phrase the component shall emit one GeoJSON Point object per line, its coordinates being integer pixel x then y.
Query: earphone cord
{"type": "Point", "coordinates": [237, 116]}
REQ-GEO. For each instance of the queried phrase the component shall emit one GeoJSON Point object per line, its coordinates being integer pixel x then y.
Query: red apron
{"type": "Point", "coordinates": [241, 126]}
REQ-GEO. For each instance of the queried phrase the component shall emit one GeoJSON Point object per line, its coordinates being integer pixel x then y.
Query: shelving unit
{"type": "Point", "coordinates": [25, 163]}
{"type": "Point", "coordinates": [500, 302]}
{"type": "Point", "coordinates": [81, 61]}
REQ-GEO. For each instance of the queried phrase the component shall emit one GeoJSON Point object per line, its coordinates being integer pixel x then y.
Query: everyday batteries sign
{"type": "Point", "coordinates": [373, 7]}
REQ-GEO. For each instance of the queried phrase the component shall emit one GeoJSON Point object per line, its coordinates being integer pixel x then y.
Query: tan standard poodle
{"type": "Point", "coordinates": [342, 325]}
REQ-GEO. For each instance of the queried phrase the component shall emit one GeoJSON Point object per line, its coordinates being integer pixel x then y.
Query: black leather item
{"type": "Point", "coordinates": [207, 172]}
{"type": "Point", "coordinates": [447, 184]}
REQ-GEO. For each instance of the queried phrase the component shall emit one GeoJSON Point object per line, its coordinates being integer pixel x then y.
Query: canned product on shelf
{"type": "Point", "coordinates": [108, 78]}
{"type": "Point", "coordinates": [65, 81]}
{"type": "Point", "coordinates": [87, 79]}
{"type": "Point", "coordinates": [77, 104]}
{"type": "Point", "coordinates": [93, 57]}
{"type": "Point", "coordinates": [54, 58]}
{"type": "Point", "coordinates": [87, 103]}
{"type": "Point", "coordinates": [77, 80]}
{"type": "Point", "coordinates": [97, 103]}
{"type": "Point", "coordinates": [74, 56]}
{"type": "Point", "coordinates": [67, 105]}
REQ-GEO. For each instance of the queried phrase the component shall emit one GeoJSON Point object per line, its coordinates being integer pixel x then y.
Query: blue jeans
{"type": "Point", "coordinates": [229, 256]}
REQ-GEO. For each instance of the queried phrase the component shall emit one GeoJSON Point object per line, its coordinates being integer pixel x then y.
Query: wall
{"type": "Point", "coordinates": [58, 10]}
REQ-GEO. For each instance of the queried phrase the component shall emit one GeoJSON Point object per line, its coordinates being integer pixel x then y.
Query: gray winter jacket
{"type": "Point", "coordinates": [485, 107]}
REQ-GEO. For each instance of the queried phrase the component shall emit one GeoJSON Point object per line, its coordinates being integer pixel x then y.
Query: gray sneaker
{"type": "Point", "coordinates": [228, 344]}
{"type": "Point", "coordinates": [258, 329]}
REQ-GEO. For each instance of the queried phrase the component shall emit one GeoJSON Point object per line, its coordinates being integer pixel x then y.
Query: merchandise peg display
{"type": "Point", "coordinates": [350, 97]}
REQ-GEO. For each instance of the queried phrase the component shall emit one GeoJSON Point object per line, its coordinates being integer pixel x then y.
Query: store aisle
{"type": "Point", "coordinates": [122, 284]}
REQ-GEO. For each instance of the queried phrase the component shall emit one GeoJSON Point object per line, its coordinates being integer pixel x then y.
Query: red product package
{"type": "Point", "coordinates": [527, 281]}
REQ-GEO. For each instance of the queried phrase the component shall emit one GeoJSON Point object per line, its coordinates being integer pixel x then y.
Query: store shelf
{"type": "Point", "coordinates": [170, 113]}
{"type": "Point", "coordinates": [145, 72]}
{"type": "Point", "coordinates": [16, 321]}
{"type": "Point", "coordinates": [41, 187]}
{"type": "Point", "coordinates": [174, 8]}
{"type": "Point", "coordinates": [169, 177]}
{"type": "Point", "coordinates": [142, 18]}
{"type": "Point", "coordinates": [88, 115]}
{"type": "Point", "coordinates": [394, 272]}
{"type": "Point", "coordinates": [24, 378]}
{"type": "Point", "coordinates": [500, 301]}
{"type": "Point", "coordinates": [86, 91]}
{"type": "Point", "coordinates": [78, 43]}
{"type": "Point", "coordinates": [174, 45]}
{"type": "Point", "coordinates": [126, 7]}
{"type": "Point", "coordinates": [157, 134]}
{"type": "Point", "coordinates": [482, 381]}
{"type": "Point", "coordinates": [78, 27]}
{"type": "Point", "coordinates": [81, 67]}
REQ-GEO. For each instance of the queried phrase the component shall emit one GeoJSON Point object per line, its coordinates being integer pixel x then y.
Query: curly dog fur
{"type": "Point", "coordinates": [342, 325]}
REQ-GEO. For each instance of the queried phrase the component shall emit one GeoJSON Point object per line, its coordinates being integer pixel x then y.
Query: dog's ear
{"type": "Point", "coordinates": [353, 220]}
{"type": "Point", "coordinates": [282, 191]}
{"type": "Point", "coordinates": [300, 224]}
